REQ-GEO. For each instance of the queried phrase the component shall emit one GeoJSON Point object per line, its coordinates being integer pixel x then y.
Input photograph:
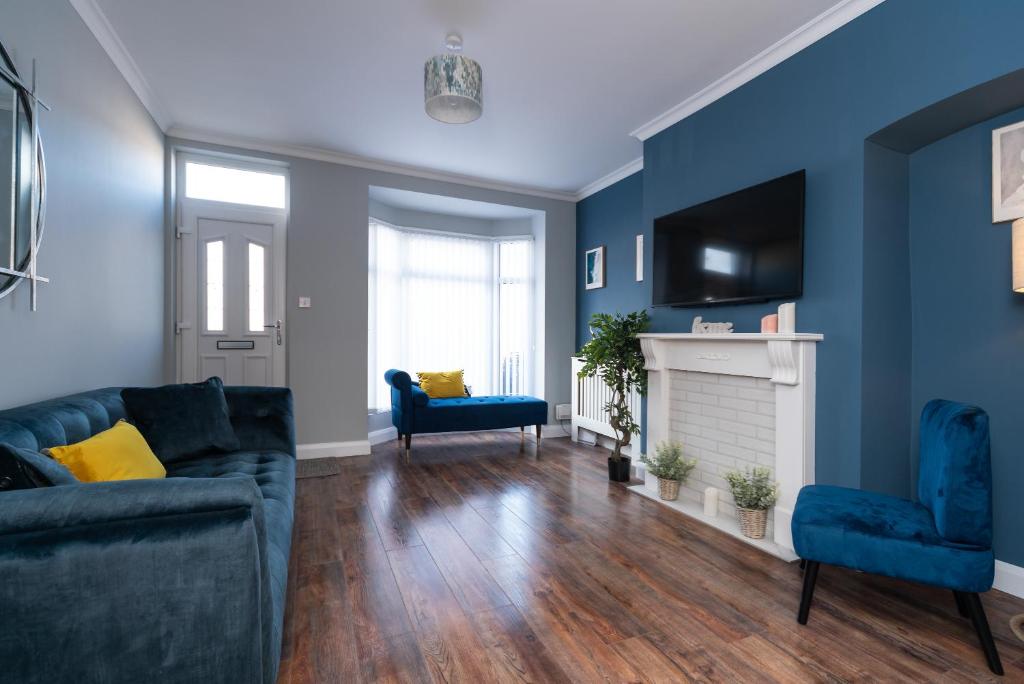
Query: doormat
{"type": "Point", "coordinates": [317, 467]}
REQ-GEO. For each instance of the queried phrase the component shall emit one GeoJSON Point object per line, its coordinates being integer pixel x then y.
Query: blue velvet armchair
{"type": "Point", "coordinates": [943, 540]}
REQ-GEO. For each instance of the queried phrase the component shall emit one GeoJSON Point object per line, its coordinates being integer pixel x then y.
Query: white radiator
{"type": "Point", "coordinates": [589, 415]}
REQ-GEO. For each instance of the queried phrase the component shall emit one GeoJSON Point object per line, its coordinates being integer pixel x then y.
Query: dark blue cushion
{"type": "Point", "coordinates": [274, 473]}
{"type": "Point", "coordinates": [182, 421]}
{"type": "Point", "coordinates": [885, 535]}
{"type": "Point", "coordinates": [479, 413]}
{"type": "Point", "coordinates": [49, 471]}
{"type": "Point", "coordinates": [955, 474]}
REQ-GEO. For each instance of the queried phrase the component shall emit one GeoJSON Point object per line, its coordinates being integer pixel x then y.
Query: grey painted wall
{"type": "Point", "coordinates": [100, 319]}
{"type": "Point", "coordinates": [327, 259]}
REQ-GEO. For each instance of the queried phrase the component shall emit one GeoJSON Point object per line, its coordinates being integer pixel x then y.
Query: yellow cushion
{"type": "Point", "coordinates": [443, 384]}
{"type": "Point", "coordinates": [120, 453]}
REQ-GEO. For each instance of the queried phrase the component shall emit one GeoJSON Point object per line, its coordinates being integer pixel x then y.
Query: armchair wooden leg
{"type": "Point", "coordinates": [810, 577]}
{"type": "Point", "coordinates": [408, 446]}
{"type": "Point", "coordinates": [538, 434]}
{"type": "Point", "coordinates": [988, 644]}
{"type": "Point", "coordinates": [961, 605]}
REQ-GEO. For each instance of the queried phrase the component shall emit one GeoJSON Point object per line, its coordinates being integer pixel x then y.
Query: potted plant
{"type": "Point", "coordinates": [669, 466]}
{"type": "Point", "coordinates": [614, 354]}
{"type": "Point", "coordinates": [754, 492]}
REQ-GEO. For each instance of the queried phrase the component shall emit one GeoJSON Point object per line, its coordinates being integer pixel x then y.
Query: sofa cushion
{"type": "Point", "coordinates": [480, 413]}
{"type": "Point", "coordinates": [884, 535]}
{"type": "Point", "coordinates": [274, 473]}
{"type": "Point", "coordinates": [44, 471]}
{"type": "Point", "coordinates": [119, 453]}
{"type": "Point", "coordinates": [182, 421]}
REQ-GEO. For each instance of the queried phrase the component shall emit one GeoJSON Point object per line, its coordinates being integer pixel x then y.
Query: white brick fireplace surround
{"type": "Point", "coordinates": [734, 400]}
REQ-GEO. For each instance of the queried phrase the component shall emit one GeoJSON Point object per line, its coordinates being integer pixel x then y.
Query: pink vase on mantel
{"type": "Point", "coordinates": [770, 323]}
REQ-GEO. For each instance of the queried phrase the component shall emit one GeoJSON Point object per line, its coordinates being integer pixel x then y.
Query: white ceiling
{"type": "Point", "coordinates": [448, 206]}
{"type": "Point", "coordinates": [565, 82]}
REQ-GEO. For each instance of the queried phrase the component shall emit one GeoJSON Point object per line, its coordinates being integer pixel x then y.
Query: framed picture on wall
{"type": "Point", "coordinates": [1008, 173]}
{"type": "Point", "coordinates": [593, 266]}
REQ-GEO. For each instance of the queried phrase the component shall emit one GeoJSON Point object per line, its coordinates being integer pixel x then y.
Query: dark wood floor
{"type": "Point", "coordinates": [483, 561]}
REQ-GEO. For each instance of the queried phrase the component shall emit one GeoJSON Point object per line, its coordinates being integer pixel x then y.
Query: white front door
{"type": "Point", "coordinates": [231, 293]}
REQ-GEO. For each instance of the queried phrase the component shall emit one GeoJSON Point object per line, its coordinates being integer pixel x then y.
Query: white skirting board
{"type": "Point", "coordinates": [380, 436]}
{"type": "Point", "coordinates": [390, 434]}
{"type": "Point", "coordinates": [1009, 578]}
{"type": "Point", "coordinates": [333, 449]}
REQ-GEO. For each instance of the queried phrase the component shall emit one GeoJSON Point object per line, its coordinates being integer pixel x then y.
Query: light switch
{"type": "Point", "coordinates": [305, 303]}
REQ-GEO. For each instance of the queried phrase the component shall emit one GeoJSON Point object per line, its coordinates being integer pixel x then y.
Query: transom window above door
{"type": "Point", "coordinates": [235, 185]}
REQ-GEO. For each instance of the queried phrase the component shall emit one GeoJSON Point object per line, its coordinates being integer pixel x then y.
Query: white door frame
{"type": "Point", "coordinates": [187, 214]}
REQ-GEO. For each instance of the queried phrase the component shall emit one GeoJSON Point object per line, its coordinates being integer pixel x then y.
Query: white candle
{"type": "Point", "coordinates": [787, 317]}
{"type": "Point", "coordinates": [711, 502]}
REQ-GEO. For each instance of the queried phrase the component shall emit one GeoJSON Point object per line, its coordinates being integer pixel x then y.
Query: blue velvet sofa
{"type": "Point", "coordinates": [414, 412]}
{"type": "Point", "coordinates": [175, 580]}
{"type": "Point", "coordinates": [944, 539]}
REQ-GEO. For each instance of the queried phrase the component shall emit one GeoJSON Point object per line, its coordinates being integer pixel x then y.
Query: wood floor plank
{"type": "Point", "coordinates": [518, 655]}
{"type": "Point", "coordinates": [446, 637]}
{"type": "Point", "coordinates": [485, 558]}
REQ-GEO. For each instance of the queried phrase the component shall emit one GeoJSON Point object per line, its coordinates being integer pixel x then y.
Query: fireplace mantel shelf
{"type": "Point", "coordinates": [737, 337]}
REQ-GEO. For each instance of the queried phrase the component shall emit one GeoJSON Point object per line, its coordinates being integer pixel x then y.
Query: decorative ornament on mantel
{"type": "Point", "coordinates": [702, 328]}
{"type": "Point", "coordinates": [787, 318]}
{"type": "Point", "coordinates": [453, 85]}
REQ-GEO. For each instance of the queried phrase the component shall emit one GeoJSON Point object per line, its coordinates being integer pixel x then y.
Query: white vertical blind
{"type": "Point", "coordinates": [440, 301]}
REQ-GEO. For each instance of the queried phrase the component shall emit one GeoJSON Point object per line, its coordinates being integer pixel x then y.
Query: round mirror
{"type": "Point", "coordinates": [18, 193]}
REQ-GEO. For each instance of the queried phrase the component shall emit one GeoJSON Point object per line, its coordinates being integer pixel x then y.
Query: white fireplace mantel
{"type": "Point", "coordinates": [786, 359]}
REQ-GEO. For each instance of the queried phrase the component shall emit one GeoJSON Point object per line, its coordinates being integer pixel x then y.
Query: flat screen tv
{"type": "Point", "coordinates": [743, 247]}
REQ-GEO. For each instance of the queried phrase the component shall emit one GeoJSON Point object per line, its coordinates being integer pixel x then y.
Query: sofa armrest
{"type": "Point", "coordinates": [401, 399]}
{"type": "Point", "coordinates": [142, 580]}
{"type": "Point", "coordinates": [263, 418]}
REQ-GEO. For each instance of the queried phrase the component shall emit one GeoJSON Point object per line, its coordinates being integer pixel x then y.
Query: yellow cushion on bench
{"type": "Point", "coordinates": [443, 384]}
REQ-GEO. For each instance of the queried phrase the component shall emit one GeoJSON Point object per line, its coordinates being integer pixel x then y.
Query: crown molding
{"type": "Point", "coordinates": [108, 39]}
{"type": "Point", "coordinates": [811, 32]}
{"type": "Point", "coordinates": [334, 157]}
{"type": "Point", "coordinates": [615, 176]}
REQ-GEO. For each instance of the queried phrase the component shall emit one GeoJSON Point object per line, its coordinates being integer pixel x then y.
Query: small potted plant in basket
{"type": "Point", "coordinates": [669, 466]}
{"type": "Point", "coordinates": [754, 492]}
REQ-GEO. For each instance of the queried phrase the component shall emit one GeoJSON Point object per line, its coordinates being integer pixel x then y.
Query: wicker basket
{"type": "Point", "coordinates": [752, 523]}
{"type": "Point", "coordinates": [668, 490]}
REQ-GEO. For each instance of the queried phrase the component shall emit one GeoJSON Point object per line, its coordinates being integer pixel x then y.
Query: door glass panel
{"type": "Point", "coordinates": [224, 184]}
{"type": "Point", "coordinates": [257, 281]}
{"type": "Point", "coordinates": [215, 286]}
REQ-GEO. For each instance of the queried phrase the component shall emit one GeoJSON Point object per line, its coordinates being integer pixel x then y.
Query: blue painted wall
{"type": "Point", "coordinates": [815, 111]}
{"type": "Point", "coordinates": [613, 218]}
{"type": "Point", "coordinates": [968, 326]}
{"type": "Point", "coordinates": [885, 330]}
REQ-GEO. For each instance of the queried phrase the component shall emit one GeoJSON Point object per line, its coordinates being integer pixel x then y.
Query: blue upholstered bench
{"type": "Point", "coordinates": [413, 412]}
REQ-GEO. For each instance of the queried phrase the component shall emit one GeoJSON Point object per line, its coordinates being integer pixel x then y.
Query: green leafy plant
{"type": "Point", "coordinates": [668, 462]}
{"type": "Point", "coordinates": [753, 488]}
{"type": "Point", "coordinates": [614, 354]}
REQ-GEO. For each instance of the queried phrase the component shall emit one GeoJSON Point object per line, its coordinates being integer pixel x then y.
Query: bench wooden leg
{"type": "Point", "coordinates": [988, 644]}
{"type": "Point", "coordinates": [538, 434]}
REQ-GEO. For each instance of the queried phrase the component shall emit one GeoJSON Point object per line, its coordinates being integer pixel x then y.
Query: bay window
{"type": "Point", "coordinates": [442, 301]}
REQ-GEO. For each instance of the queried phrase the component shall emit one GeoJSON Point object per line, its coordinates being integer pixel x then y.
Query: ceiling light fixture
{"type": "Point", "coordinates": [453, 85]}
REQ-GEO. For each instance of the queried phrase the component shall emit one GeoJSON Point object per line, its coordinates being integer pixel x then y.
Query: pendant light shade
{"type": "Point", "coordinates": [453, 86]}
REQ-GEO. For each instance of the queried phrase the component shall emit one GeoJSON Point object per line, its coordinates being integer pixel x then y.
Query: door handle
{"type": "Point", "coordinates": [277, 326]}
